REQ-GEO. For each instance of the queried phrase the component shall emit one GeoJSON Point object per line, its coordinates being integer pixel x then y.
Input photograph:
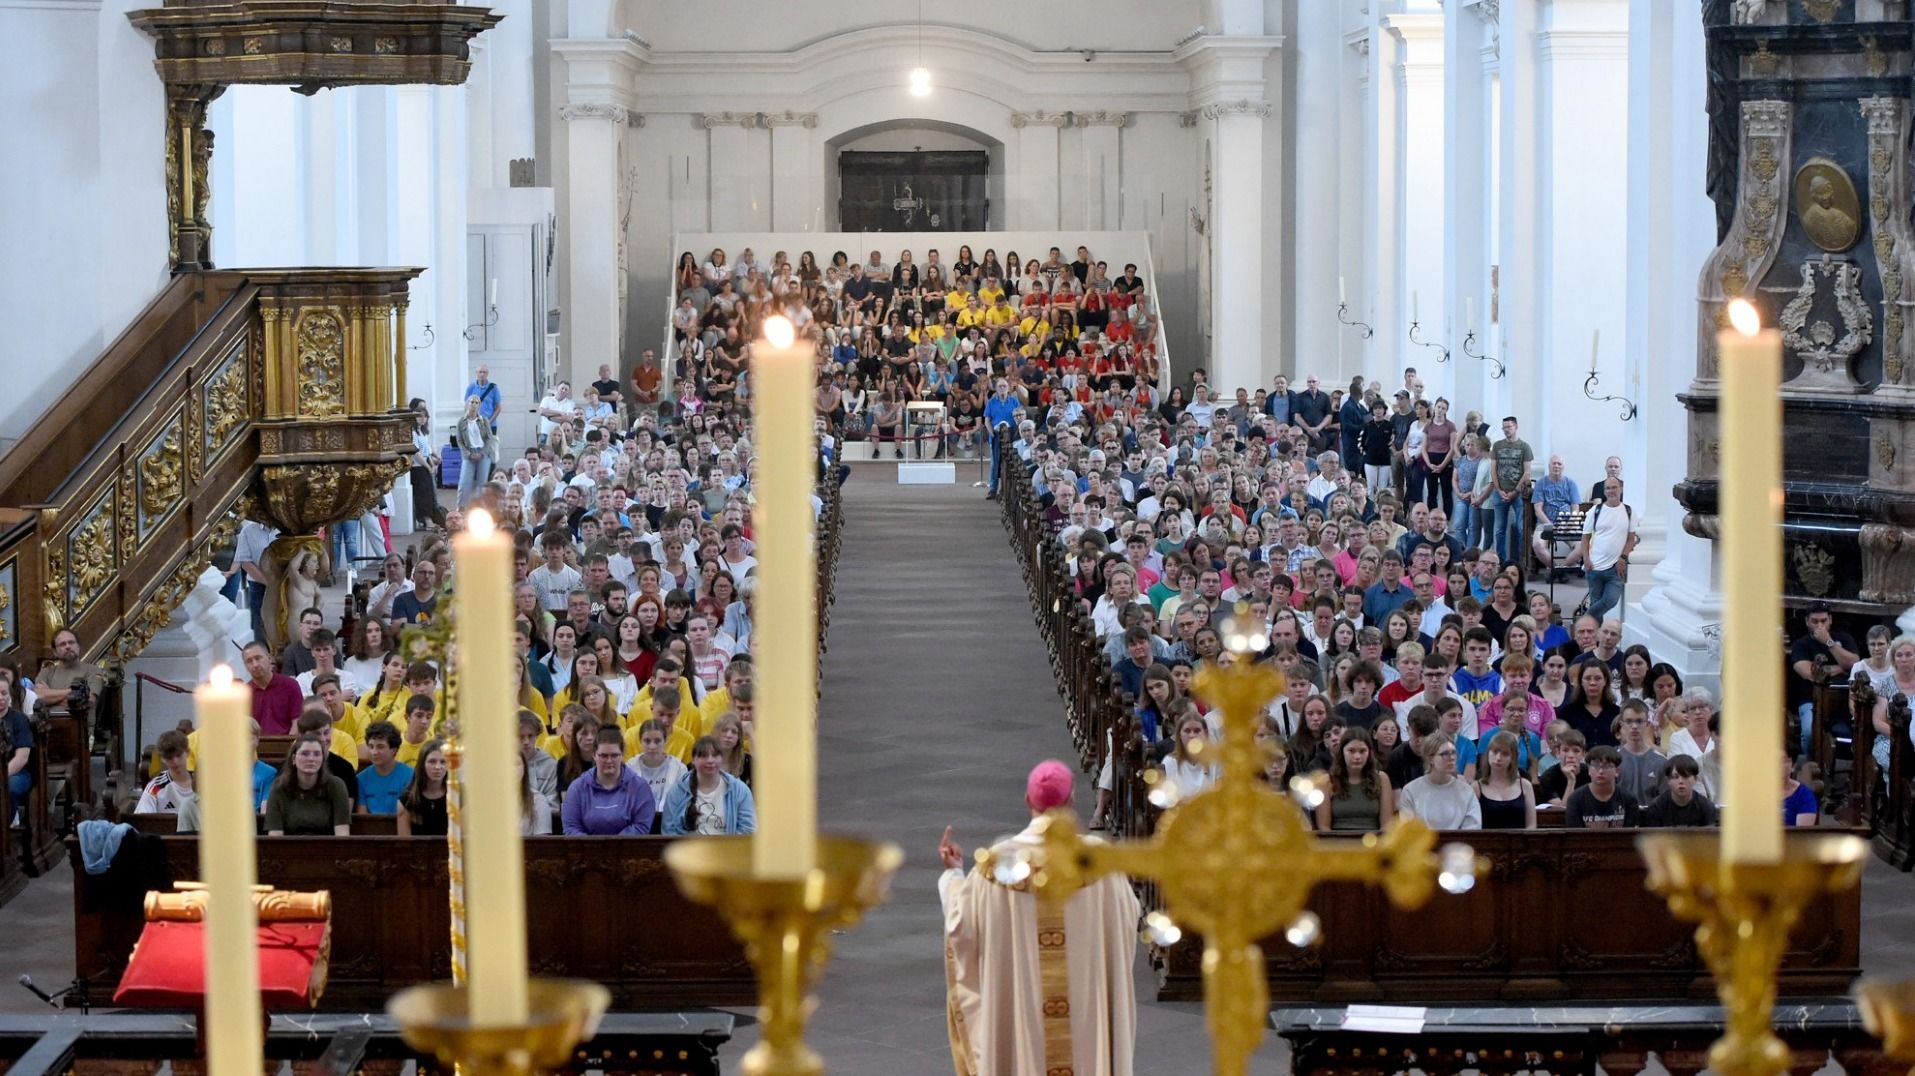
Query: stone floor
{"type": "Point", "coordinates": [937, 698]}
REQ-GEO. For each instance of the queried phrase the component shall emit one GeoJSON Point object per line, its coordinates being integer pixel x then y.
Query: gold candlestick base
{"type": "Point", "coordinates": [564, 1012]}
{"type": "Point", "coordinates": [1888, 1012]}
{"type": "Point", "coordinates": [784, 923]}
{"type": "Point", "coordinates": [1743, 914]}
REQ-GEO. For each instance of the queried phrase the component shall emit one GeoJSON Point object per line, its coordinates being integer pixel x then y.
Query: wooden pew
{"type": "Point", "coordinates": [1891, 795]}
{"type": "Point", "coordinates": [600, 908]}
{"type": "Point", "coordinates": [38, 848]}
{"type": "Point", "coordinates": [1561, 915]}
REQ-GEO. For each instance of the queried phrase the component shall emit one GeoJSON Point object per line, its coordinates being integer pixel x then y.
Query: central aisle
{"type": "Point", "coordinates": [937, 700]}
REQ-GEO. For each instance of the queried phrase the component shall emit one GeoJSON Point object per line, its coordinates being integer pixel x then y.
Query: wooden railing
{"type": "Point", "coordinates": [1883, 799]}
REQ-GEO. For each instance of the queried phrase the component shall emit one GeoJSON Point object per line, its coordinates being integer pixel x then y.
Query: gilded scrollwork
{"type": "Point", "coordinates": [128, 516]}
{"type": "Point", "coordinates": [1755, 234]}
{"type": "Point", "coordinates": [224, 401]}
{"type": "Point", "coordinates": [53, 590]}
{"type": "Point", "coordinates": [1887, 119]}
{"type": "Point", "coordinates": [161, 476]}
{"type": "Point", "coordinates": [90, 553]}
{"type": "Point", "coordinates": [1827, 347]}
{"type": "Point", "coordinates": [1815, 567]}
{"type": "Point", "coordinates": [319, 343]}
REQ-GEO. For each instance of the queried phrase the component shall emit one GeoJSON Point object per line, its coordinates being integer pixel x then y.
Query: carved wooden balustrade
{"type": "Point", "coordinates": [268, 394]}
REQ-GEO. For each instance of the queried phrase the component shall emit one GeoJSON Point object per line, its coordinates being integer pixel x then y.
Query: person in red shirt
{"type": "Point", "coordinates": [277, 700]}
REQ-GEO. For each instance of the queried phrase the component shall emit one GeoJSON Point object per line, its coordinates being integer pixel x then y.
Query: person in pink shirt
{"type": "Point", "coordinates": [277, 700]}
{"type": "Point", "coordinates": [1519, 670]}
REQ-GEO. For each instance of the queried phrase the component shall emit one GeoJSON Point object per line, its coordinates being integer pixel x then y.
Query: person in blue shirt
{"type": "Point", "coordinates": [1475, 680]}
{"type": "Point", "coordinates": [1388, 593]}
{"type": "Point", "coordinates": [1799, 805]}
{"type": "Point", "coordinates": [708, 800]}
{"type": "Point", "coordinates": [1000, 416]}
{"type": "Point", "coordinates": [1514, 719]}
{"type": "Point", "coordinates": [384, 777]}
{"type": "Point", "coordinates": [487, 391]}
{"type": "Point", "coordinates": [1555, 494]}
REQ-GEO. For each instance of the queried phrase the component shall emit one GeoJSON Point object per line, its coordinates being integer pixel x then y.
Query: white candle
{"type": "Point", "coordinates": [493, 296]}
{"type": "Point", "coordinates": [1595, 345]}
{"type": "Point", "coordinates": [228, 829]}
{"type": "Point", "coordinates": [1342, 298]}
{"type": "Point", "coordinates": [785, 635]}
{"type": "Point", "coordinates": [489, 732]}
{"type": "Point", "coordinates": [1414, 308]}
{"type": "Point", "coordinates": [1469, 315]}
{"type": "Point", "coordinates": [1749, 501]}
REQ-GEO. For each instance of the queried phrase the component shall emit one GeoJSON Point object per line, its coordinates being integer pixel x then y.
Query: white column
{"type": "Point", "coordinates": [1319, 178]}
{"type": "Point", "coordinates": [479, 106]}
{"type": "Point", "coordinates": [793, 191]}
{"type": "Point", "coordinates": [1388, 300]}
{"type": "Point", "coordinates": [1103, 174]}
{"type": "Point", "coordinates": [1227, 74]}
{"type": "Point", "coordinates": [592, 315]}
{"type": "Point", "coordinates": [1419, 188]}
{"type": "Point", "coordinates": [1584, 49]}
{"type": "Point", "coordinates": [1518, 254]}
{"type": "Point", "coordinates": [1466, 205]}
{"type": "Point", "coordinates": [1037, 186]}
{"type": "Point", "coordinates": [511, 126]}
{"type": "Point", "coordinates": [447, 269]}
{"type": "Point", "coordinates": [730, 179]}
{"type": "Point", "coordinates": [1674, 602]}
{"type": "Point", "coordinates": [1355, 224]}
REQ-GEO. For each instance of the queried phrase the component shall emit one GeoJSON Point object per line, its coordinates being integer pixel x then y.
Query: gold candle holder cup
{"type": "Point", "coordinates": [785, 925]}
{"type": "Point", "coordinates": [564, 1012]}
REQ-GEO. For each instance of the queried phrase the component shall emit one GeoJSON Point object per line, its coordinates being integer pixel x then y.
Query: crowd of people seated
{"type": "Point", "coordinates": [1426, 673]}
{"type": "Point", "coordinates": [895, 333]}
{"type": "Point", "coordinates": [635, 576]}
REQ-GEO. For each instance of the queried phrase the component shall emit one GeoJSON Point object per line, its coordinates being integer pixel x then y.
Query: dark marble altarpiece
{"type": "Point", "coordinates": [1809, 170]}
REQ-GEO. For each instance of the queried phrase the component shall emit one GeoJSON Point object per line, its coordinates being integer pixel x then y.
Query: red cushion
{"type": "Point", "coordinates": [168, 965]}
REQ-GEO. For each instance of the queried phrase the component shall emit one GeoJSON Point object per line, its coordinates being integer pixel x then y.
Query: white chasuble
{"type": "Point", "coordinates": [1038, 990]}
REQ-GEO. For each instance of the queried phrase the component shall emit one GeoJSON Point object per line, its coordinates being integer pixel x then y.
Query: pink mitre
{"type": "Point", "coordinates": [1049, 785]}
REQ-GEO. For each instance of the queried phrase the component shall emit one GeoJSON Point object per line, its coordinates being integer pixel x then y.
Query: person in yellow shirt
{"type": "Point", "coordinates": [718, 703]}
{"type": "Point", "coordinates": [990, 292]}
{"type": "Point", "coordinates": [348, 736]}
{"type": "Point", "coordinates": [387, 700]}
{"type": "Point", "coordinates": [958, 299]}
{"type": "Point", "coordinates": [1000, 313]}
{"type": "Point", "coordinates": [420, 711]}
{"type": "Point", "coordinates": [669, 672]}
{"type": "Point", "coordinates": [665, 710]}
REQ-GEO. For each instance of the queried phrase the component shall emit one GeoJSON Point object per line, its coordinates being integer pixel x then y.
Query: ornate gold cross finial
{"type": "Point", "coordinates": [1237, 861]}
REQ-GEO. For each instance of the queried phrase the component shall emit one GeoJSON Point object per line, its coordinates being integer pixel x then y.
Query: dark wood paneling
{"type": "Point", "coordinates": [599, 908]}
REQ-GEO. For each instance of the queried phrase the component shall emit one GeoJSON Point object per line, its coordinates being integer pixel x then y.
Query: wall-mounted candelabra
{"type": "Point", "coordinates": [429, 337]}
{"type": "Point", "coordinates": [1442, 349]}
{"type": "Point", "coordinates": [1363, 328]}
{"type": "Point", "coordinates": [1496, 369]}
{"type": "Point", "coordinates": [491, 319]}
{"type": "Point", "coordinates": [1589, 389]}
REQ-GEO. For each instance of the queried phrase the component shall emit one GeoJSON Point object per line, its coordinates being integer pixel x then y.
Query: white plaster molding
{"type": "Point", "coordinates": [709, 120]}
{"type": "Point", "coordinates": [1040, 118]}
{"type": "Point", "coordinates": [1189, 37]}
{"type": "Point", "coordinates": [1358, 40]}
{"type": "Point", "coordinates": [1101, 119]}
{"type": "Point", "coordinates": [1245, 107]}
{"type": "Point", "coordinates": [1187, 119]}
{"type": "Point", "coordinates": [591, 110]}
{"type": "Point", "coordinates": [788, 119]}
{"type": "Point", "coordinates": [1583, 44]}
{"type": "Point", "coordinates": [951, 47]}
{"type": "Point", "coordinates": [77, 7]}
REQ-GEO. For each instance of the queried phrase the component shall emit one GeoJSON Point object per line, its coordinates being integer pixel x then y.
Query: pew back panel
{"type": "Point", "coordinates": [600, 908]}
{"type": "Point", "coordinates": [1562, 914]}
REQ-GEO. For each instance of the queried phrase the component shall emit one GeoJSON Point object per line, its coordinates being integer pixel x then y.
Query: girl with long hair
{"type": "Point", "coordinates": [729, 731]}
{"type": "Point", "coordinates": [422, 806]}
{"type": "Point", "coordinates": [1358, 799]}
{"type": "Point", "coordinates": [1507, 798]}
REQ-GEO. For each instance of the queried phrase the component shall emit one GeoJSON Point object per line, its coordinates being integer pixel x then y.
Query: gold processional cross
{"type": "Point", "coordinates": [1237, 861]}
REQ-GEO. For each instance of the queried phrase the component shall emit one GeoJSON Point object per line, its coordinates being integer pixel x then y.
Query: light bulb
{"type": "Point", "coordinates": [920, 82]}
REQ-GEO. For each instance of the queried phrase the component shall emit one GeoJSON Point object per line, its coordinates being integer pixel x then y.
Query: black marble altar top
{"type": "Point", "coordinates": [1833, 1013]}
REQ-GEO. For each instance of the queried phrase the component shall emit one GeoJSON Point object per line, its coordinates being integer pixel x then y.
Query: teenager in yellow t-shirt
{"type": "Point", "coordinates": [420, 717]}
{"type": "Point", "coordinates": [665, 710]}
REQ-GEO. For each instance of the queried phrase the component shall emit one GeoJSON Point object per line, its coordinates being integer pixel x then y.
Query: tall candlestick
{"type": "Point", "coordinates": [489, 732]}
{"type": "Point", "coordinates": [1749, 361]}
{"type": "Point", "coordinates": [228, 828]}
{"type": "Point", "coordinates": [1595, 346]}
{"type": "Point", "coordinates": [784, 637]}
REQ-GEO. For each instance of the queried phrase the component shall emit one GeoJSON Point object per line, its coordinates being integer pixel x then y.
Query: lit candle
{"type": "Point", "coordinates": [784, 635]}
{"type": "Point", "coordinates": [1749, 500]}
{"type": "Point", "coordinates": [1342, 298]}
{"type": "Point", "coordinates": [228, 828]}
{"type": "Point", "coordinates": [489, 732]}
{"type": "Point", "coordinates": [1595, 345]}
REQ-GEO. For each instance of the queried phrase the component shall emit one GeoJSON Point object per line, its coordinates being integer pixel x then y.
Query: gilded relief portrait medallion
{"type": "Point", "coordinates": [1826, 204]}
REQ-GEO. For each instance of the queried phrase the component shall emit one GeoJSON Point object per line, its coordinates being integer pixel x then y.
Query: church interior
{"type": "Point", "coordinates": [634, 537]}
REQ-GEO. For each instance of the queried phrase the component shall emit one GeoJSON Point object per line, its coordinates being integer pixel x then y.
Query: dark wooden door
{"type": "Point", "coordinates": [921, 191]}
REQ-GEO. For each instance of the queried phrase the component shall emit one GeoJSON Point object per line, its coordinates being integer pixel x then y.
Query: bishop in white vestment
{"type": "Point", "coordinates": [1035, 989]}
